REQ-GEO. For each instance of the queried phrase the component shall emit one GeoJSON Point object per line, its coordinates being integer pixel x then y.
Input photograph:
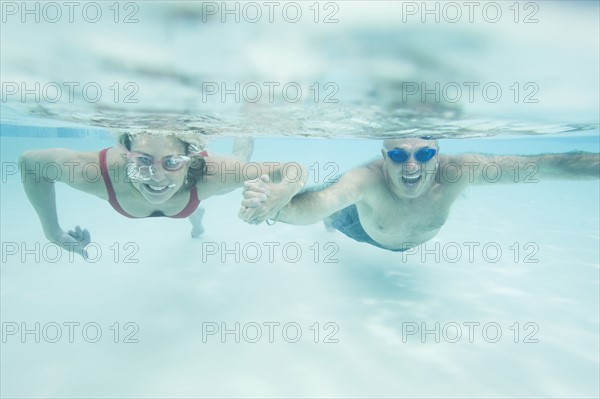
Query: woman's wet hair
{"type": "Point", "coordinates": [197, 166]}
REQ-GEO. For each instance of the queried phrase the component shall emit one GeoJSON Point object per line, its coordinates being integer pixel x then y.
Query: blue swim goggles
{"type": "Point", "coordinates": [423, 155]}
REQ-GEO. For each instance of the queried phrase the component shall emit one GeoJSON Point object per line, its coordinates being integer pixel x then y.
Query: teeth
{"type": "Point", "coordinates": [411, 179]}
{"type": "Point", "coordinates": [157, 188]}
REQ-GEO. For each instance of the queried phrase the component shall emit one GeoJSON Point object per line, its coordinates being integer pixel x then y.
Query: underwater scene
{"type": "Point", "coordinates": [390, 199]}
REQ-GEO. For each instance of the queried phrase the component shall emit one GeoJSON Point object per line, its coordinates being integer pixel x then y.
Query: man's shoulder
{"type": "Point", "coordinates": [368, 171]}
{"type": "Point", "coordinates": [365, 178]}
{"type": "Point", "coordinates": [371, 168]}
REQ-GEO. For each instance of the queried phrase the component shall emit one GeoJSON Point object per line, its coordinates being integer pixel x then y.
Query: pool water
{"type": "Point", "coordinates": [537, 298]}
{"type": "Point", "coordinates": [502, 302]}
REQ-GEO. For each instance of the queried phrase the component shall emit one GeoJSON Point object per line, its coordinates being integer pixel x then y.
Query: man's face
{"type": "Point", "coordinates": [411, 165]}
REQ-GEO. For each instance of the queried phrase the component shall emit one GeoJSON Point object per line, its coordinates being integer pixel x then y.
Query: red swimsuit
{"type": "Point", "coordinates": [112, 198]}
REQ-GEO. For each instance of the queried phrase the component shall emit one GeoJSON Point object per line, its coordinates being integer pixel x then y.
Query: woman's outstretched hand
{"type": "Point", "coordinates": [74, 240]}
{"type": "Point", "coordinates": [262, 200]}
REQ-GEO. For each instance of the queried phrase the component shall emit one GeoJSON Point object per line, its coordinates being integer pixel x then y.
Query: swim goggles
{"type": "Point", "coordinates": [144, 167]}
{"type": "Point", "coordinates": [423, 155]}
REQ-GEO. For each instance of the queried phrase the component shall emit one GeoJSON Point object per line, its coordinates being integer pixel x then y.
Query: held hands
{"type": "Point", "coordinates": [73, 240]}
{"type": "Point", "coordinates": [263, 200]}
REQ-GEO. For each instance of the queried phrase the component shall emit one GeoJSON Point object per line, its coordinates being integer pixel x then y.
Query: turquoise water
{"type": "Point", "coordinates": [503, 302]}
{"type": "Point", "coordinates": [181, 285]}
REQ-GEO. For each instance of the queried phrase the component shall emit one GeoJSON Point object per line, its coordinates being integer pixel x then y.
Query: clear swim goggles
{"type": "Point", "coordinates": [422, 155]}
{"type": "Point", "coordinates": [145, 167]}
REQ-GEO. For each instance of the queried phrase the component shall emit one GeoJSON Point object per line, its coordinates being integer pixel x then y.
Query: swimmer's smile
{"type": "Point", "coordinates": [157, 189]}
{"type": "Point", "coordinates": [412, 179]}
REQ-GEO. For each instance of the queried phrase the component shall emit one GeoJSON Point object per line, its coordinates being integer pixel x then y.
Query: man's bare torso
{"type": "Point", "coordinates": [399, 222]}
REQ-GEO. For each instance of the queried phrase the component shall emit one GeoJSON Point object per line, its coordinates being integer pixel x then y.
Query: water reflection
{"type": "Point", "coordinates": [370, 74]}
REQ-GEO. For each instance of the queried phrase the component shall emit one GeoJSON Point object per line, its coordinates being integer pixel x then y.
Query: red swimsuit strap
{"type": "Point", "coordinates": [112, 198]}
{"type": "Point", "coordinates": [191, 206]}
{"type": "Point", "coordinates": [193, 202]}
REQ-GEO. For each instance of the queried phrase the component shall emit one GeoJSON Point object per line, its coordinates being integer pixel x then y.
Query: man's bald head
{"type": "Point", "coordinates": [412, 142]}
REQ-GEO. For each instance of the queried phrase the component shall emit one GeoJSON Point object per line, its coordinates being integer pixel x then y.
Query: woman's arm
{"type": "Point", "coordinates": [281, 181]}
{"type": "Point", "coordinates": [224, 174]}
{"type": "Point", "coordinates": [40, 170]}
{"type": "Point", "coordinates": [242, 148]}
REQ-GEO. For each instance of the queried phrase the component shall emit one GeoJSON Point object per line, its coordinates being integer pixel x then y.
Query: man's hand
{"type": "Point", "coordinates": [264, 199]}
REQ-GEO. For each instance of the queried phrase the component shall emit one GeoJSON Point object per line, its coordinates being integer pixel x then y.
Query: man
{"type": "Point", "coordinates": [404, 198]}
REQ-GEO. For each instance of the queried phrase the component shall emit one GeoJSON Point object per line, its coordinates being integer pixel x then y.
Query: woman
{"type": "Point", "coordinates": [146, 175]}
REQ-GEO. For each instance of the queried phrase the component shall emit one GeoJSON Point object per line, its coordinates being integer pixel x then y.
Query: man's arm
{"type": "Point", "coordinates": [312, 206]}
{"type": "Point", "coordinates": [482, 169]}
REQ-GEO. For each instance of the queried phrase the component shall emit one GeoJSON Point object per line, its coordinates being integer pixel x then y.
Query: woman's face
{"type": "Point", "coordinates": [161, 168]}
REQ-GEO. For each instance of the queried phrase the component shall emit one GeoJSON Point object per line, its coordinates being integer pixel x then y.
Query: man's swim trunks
{"type": "Point", "coordinates": [347, 221]}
